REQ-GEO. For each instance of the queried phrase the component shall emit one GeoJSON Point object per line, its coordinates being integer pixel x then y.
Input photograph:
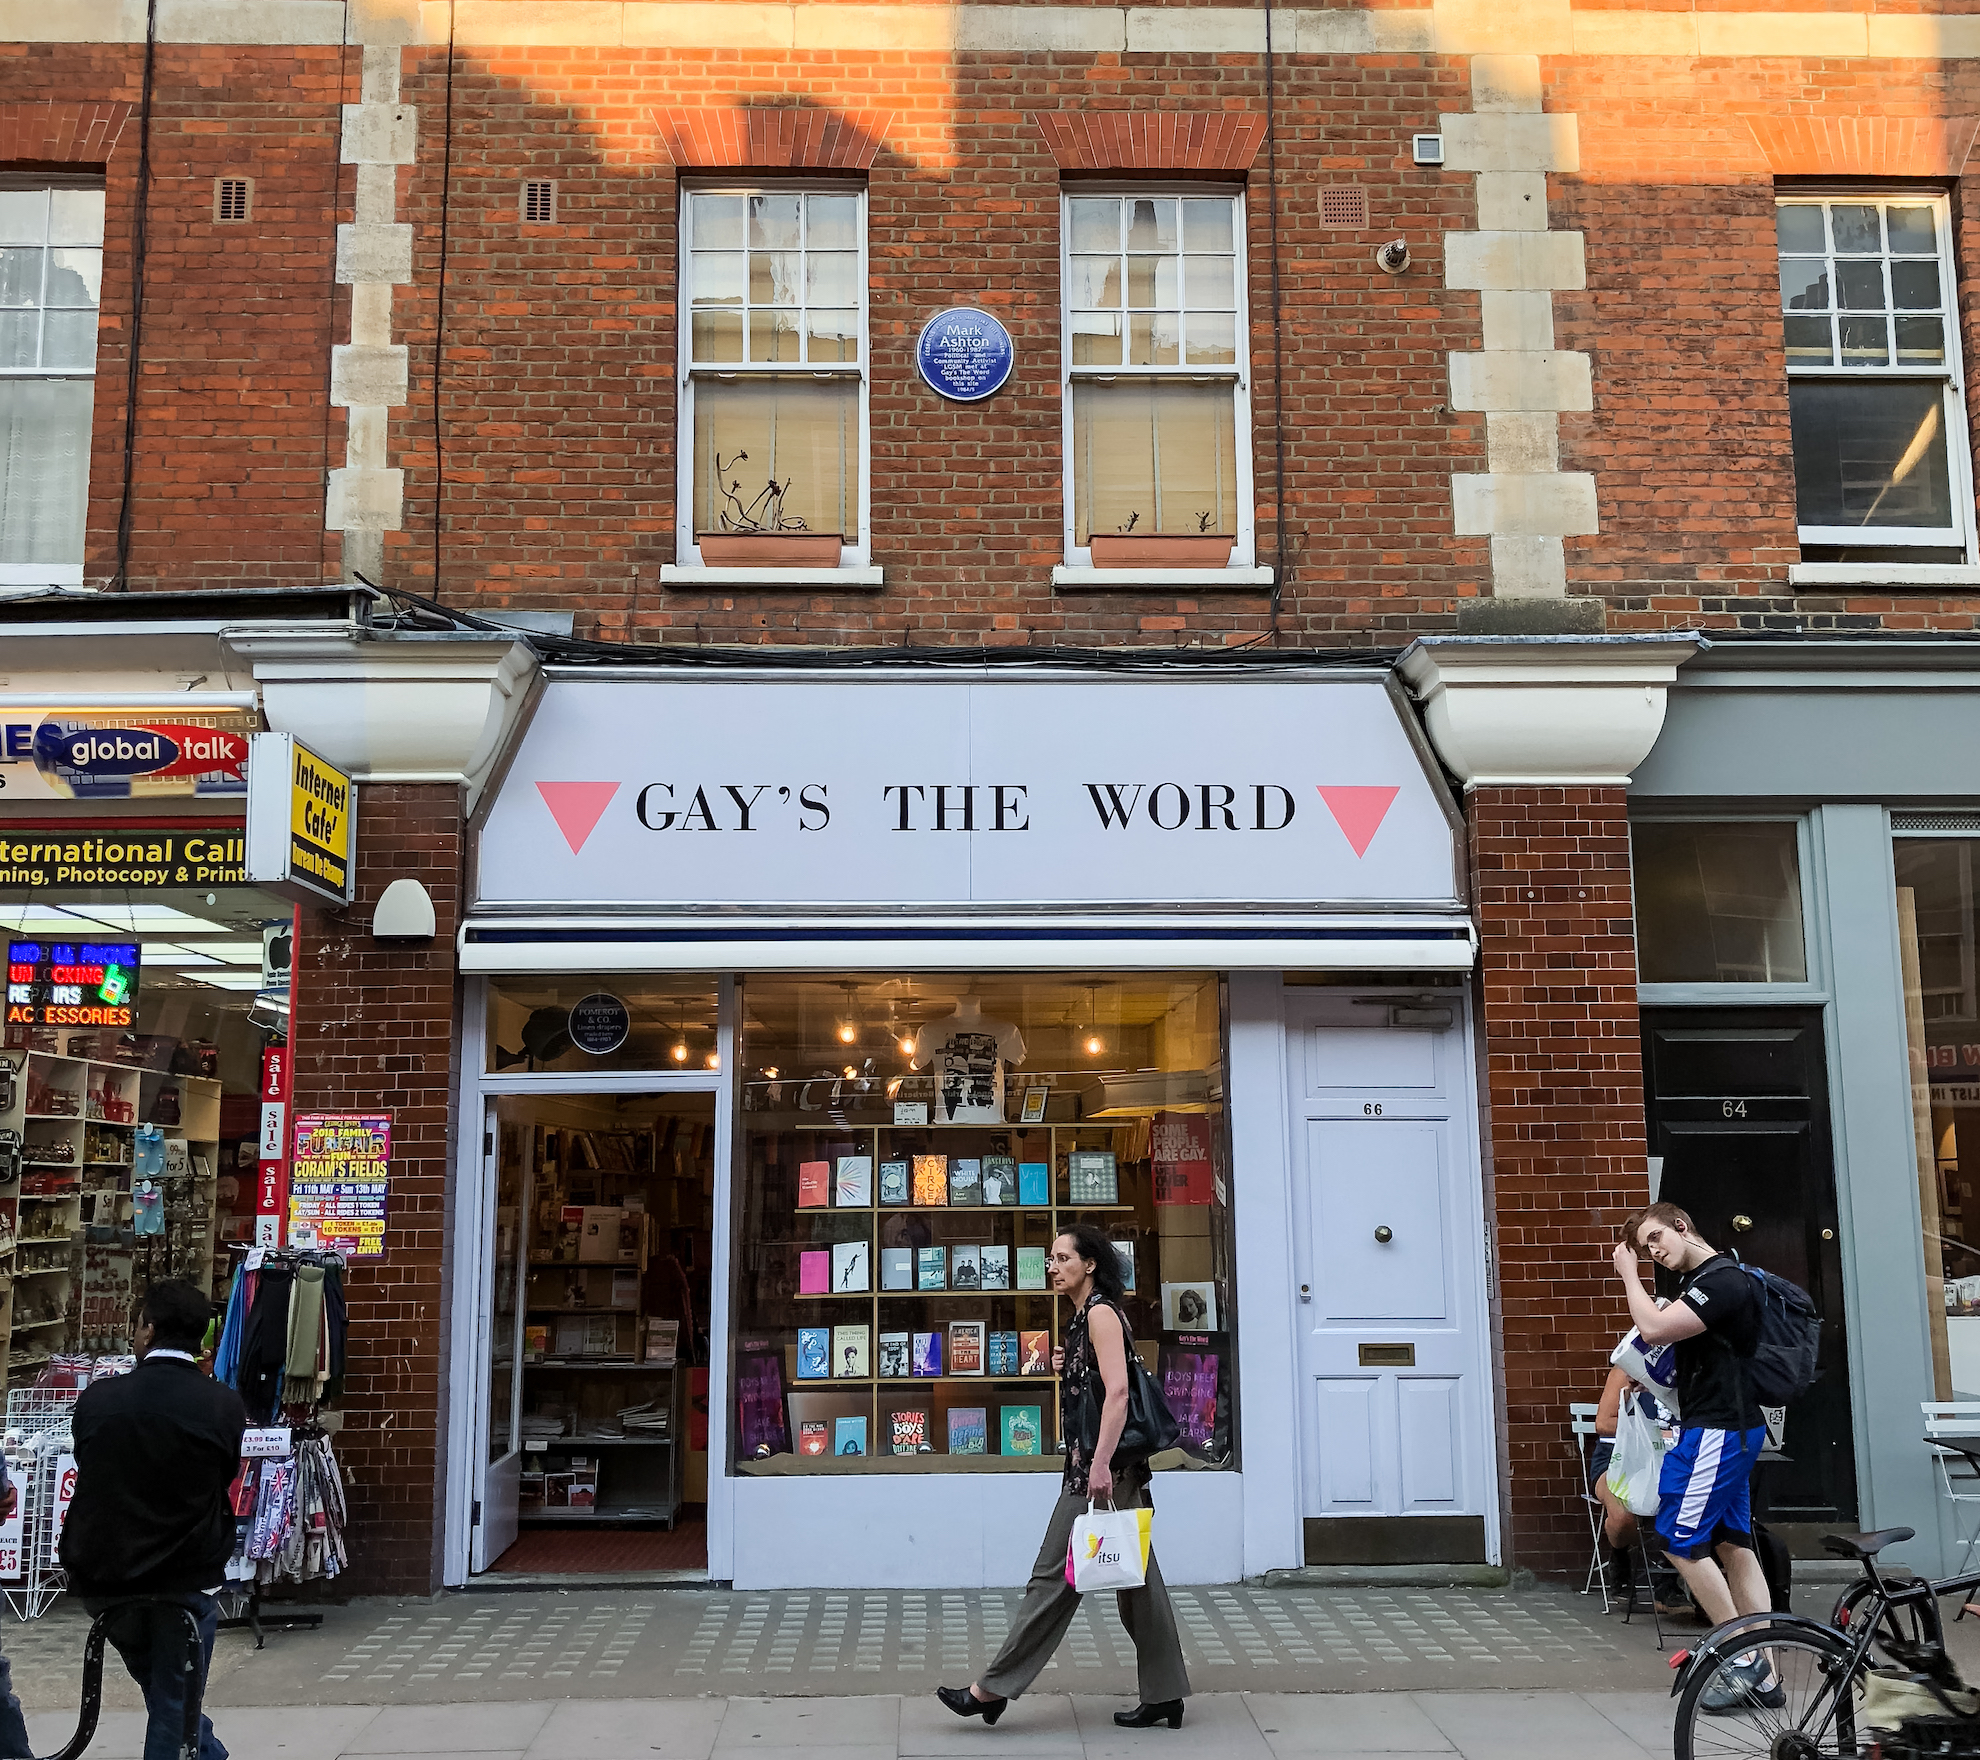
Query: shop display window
{"type": "Point", "coordinates": [908, 1150]}
{"type": "Point", "coordinates": [1718, 903]}
{"type": "Point", "coordinates": [129, 1142]}
{"type": "Point", "coordinates": [591, 1024]}
{"type": "Point", "coordinates": [1938, 909]}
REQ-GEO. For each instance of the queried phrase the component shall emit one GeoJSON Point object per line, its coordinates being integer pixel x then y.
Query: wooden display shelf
{"type": "Point", "coordinates": [861, 1295]}
{"type": "Point", "coordinates": [579, 1363]}
{"type": "Point", "coordinates": [583, 1444]}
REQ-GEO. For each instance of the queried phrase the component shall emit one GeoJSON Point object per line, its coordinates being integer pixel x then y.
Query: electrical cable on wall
{"type": "Point", "coordinates": [138, 230]}
{"type": "Point", "coordinates": [440, 302]}
{"type": "Point", "coordinates": [1279, 550]}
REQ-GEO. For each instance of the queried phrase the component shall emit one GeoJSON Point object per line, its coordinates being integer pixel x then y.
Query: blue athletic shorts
{"type": "Point", "coordinates": [1702, 1496]}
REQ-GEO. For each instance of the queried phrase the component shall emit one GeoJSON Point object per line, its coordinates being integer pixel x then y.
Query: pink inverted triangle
{"type": "Point", "coordinates": [1359, 811]}
{"type": "Point", "coordinates": [577, 807]}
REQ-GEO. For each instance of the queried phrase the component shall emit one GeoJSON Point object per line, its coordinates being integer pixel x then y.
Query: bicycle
{"type": "Point", "coordinates": [1816, 1669]}
{"type": "Point", "coordinates": [92, 1682]}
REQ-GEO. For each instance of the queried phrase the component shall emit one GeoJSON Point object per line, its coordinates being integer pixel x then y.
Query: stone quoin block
{"type": "Point", "coordinates": [1510, 380]}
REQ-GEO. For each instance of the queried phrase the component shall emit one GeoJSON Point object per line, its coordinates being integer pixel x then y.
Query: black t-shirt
{"type": "Point", "coordinates": [1711, 1383]}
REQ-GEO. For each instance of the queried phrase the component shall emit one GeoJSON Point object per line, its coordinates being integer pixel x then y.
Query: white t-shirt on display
{"type": "Point", "coordinates": [966, 1052]}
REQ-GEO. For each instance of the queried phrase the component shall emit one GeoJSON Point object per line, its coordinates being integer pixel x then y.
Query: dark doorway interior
{"type": "Point", "coordinates": [1738, 1109]}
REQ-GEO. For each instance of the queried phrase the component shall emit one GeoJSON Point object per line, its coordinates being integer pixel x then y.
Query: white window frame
{"type": "Point", "coordinates": [1950, 376]}
{"type": "Point", "coordinates": [1244, 549]}
{"type": "Point", "coordinates": [53, 574]}
{"type": "Point", "coordinates": [851, 556]}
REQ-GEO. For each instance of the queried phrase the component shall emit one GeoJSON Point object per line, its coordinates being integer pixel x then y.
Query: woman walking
{"type": "Point", "coordinates": [1085, 1269]}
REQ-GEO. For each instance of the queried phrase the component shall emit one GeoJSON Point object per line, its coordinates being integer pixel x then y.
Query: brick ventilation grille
{"type": "Point", "coordinates": [232, 198]}
{"type": "Point", "coordinates": [539, 203]}
{"type": "Point", "coordinates": [1344, 208]}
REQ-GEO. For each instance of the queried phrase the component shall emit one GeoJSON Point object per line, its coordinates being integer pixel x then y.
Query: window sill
{"type": "Point", "coordinates": [33, 576]}
{"type": "Point", "coordinates": [1883, 574]}
{"type": "Point", "coordinates": [1066, 578]}
{"type": "Point", "coordinates": [684, 577]}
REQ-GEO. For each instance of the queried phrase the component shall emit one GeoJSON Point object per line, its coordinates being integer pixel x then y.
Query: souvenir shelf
{"type": "Point", "coordinates": [1038, 1178]}
{"type": "Point", "coordinates": [67, 1131]}
{"type": "Point", "coordinates": [600, 1422]}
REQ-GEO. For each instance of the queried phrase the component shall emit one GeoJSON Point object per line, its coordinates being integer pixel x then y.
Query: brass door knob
{"type": "Point", "coordinates": [1828, 1234]}
{"type": "Point", "coordinates": [1742, 1223]}
{"type": "Point", "coordinates": [1384, 1235]}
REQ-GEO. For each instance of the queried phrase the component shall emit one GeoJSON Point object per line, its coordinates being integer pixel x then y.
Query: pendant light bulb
{"type": "Point", "coordinates": [680, 1051]}
{"type": "Point", "coordinates": [1095, 1045]}
{"type": "Point", "coordinates": [907, 1047]}
{"type": "Point", "coordinates": [714, 1060]}
{"type": "Point", "coordinates": [847, 1032]}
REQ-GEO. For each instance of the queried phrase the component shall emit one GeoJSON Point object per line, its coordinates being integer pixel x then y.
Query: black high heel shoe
{"type": "Point", "coordinates": [1148, 1716]}
{"type": "Point", "coordinates": [964, 1703]}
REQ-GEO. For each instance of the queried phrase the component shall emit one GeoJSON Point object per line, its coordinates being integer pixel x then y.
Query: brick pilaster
{"type": "Point", "coordinates": [1565, 1084]}
{"type": "Point", "coordinates": [374, 1027]}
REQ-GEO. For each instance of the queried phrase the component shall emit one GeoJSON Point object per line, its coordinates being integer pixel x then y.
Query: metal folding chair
{"type": "Point", "coordinates": [1581, 1426]}
{"type": "Point", "coordinates": [1957, 1423]}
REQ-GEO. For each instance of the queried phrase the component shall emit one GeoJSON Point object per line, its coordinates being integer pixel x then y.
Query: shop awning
{"type": "Point", "coordinates": [1386, 941]}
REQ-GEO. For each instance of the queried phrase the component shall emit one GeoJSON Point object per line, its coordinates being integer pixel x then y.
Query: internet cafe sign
{"type": "Point", "coordinates": [301, 822]}
{"type": "Point", "coordinates": [48, 752]}
{"type": "Point", "coordinates": [1228, 790]}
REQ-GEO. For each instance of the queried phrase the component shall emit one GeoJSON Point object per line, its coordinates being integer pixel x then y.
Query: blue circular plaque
{"type": "Point", "coordinates": [599, 1023]}
{"type": "Point", "coordinates": [964, 354]}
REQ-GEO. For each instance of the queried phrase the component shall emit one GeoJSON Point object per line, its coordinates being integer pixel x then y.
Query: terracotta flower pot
{"type": "Point", "coordinates": [769, 549]}
{"type": "Point", "coordinates": [1162, 550]}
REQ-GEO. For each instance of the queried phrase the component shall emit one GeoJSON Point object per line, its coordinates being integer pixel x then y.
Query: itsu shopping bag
{"type": "Point", "coordinates": [1109, 1549]}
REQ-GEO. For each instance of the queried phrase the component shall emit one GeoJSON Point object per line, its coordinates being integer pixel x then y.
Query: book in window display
{"type": "Point", "coordinates": [894, 1349]}
{"type": "Point", "coordinates": [927, 1358]}
{"type": "Point", "coordinates": [855, 1182]}
{"type": "Point", "coordinates": [1034, 1353]}
{"type": "Point", "coordinates": [1092, 1177]}
{"type": "Point", "coordinates": [1000, 1354]}
{"type": "Point", "coordinates": [897, 1268]}
{"type": "Point", "coordinates": [931, 1268]}
{"type": "Point", "coordinates": [895, 1182]}
{"type": "Point", "coordinates": [967, 1429]}
{"type": "Point", "coordinates": [1189, 1375]}
{"type": "Point", "coordinates": [815, 1272]}
{"type": "Point", "coordinates": [996, 1263]}
{"type": "Point", "coordinates": [1034, 1184]}
{"type": "Point", "coordinates": [814, 1184]}
{"type": "Point", "coordinates": [1124, 1251]}
{"type": "Point", "coordinates": [851, 1268]}
{"type": "Point", "coordinates": [907, 1431]}
{"type": "Point", "coordinates": [966, 1268]}
{"type": "Point", "coordinates": [965, 1182]}
{"type": "Point", "coordinates": [1023, 1429]}
{"type": "Point", "coordinates": [814, 1436]}
{"type": "Point", "coordinates": [966, 1347]}
{"type": "Point", "coordinates": [814, 1353]}
{"type": "Point", "coordinates": [1000, 1180]}
{"type": "Point", "coordinates": [849, 1353]}
{"type": "Point", "coordinates": [762, 1426]}
{"type": "Point", "coordinates": [1031, 1267]}
{"type": "Point", "coordinates": [1189, 1307]}
{"type": "Point", "coordinates": [931, 1181]}
{"type": "Point", "coordinates": [848, 1435]}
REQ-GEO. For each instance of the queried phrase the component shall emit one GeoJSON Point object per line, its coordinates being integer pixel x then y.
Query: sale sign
{"type": "Point", "coordinates": [271, 1194]}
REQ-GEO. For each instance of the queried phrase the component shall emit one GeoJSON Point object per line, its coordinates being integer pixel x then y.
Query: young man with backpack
{"type": "Point", "coordinates": [1704, 1510]}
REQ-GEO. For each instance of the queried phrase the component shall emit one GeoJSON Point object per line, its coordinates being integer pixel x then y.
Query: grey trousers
{"type": "Point", "coordinates": [1050, 1603]}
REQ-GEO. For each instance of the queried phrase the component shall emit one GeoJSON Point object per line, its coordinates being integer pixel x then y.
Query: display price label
{"type": "Point", "coordinates": [12, 1536]}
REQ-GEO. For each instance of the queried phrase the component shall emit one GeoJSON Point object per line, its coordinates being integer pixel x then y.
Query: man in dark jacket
{"type": "Point", "coordinates": [155, 1453]}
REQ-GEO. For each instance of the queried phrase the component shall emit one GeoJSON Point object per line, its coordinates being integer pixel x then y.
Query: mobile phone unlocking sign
{"type": "Point", "coordinates": [72, 983]}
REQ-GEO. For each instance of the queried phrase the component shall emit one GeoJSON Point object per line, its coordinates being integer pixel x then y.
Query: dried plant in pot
{"type": "Point", "coordinates": [1128, 548]}
{"type": "Point", "coordinates": [758, 533]}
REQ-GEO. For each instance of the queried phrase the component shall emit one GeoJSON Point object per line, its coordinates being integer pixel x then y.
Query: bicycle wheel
{"type": "Point", "coordinates": [1814, 1721]}
{"type": "Point", "coordinates": [1907, 1625]}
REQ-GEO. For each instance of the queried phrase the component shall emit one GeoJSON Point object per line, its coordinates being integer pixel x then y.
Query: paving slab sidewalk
{"type": "Point", "coordinates": [1045, 1726]}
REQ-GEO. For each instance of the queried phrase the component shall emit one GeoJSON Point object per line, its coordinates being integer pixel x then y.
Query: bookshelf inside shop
{"type": "Point", "coordinates": [614, 1215]}
{"type": "Point", "coordinates": [107, 1182]}
{"type": "Point", "coordinates": [896, 1300]}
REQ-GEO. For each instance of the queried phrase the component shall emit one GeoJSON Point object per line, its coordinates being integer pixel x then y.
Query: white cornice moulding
{"type": "Point", "coordinates": [416, 709]}
{"type": "Point", "coordinates": [1554, 712]}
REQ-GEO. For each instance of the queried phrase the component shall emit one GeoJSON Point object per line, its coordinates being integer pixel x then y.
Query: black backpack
{"type": "Point", "coordinates": [1782, 1367]}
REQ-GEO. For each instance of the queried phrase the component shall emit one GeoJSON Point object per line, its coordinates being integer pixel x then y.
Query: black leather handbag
{"type": "Point", "coordinates": [1150, 1427]}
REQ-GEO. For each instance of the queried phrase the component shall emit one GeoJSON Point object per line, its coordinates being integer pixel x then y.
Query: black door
{"type": "Point", "coordinates": [1738, 1107]}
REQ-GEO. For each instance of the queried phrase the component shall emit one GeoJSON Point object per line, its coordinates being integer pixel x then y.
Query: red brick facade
{"type": "Point", "coordinates": [374, 1027]}
{"type": "Point", "coordinates": [1564, 1076]}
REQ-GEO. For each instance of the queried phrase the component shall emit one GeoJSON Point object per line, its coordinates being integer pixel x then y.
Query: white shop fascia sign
{"type": "Point", "coordinates": [927, 802]}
